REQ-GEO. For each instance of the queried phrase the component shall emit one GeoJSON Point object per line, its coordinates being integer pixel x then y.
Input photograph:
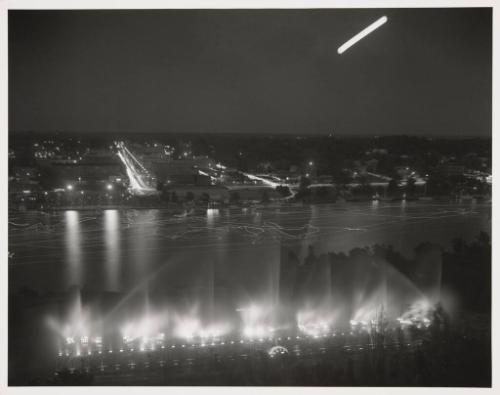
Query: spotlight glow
{"type": "Point", "coordinates": [314, 323]}
{"type": "Point", "coordinates": [186, 327]}
{"type": "Point", "coordinates": [419, 314]}
{"type": "Point", "coordinates": [256, 321]}
{"type": "Point", "coordinates": [147, 329]}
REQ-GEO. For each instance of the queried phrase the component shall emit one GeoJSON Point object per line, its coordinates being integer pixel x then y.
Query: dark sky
{"type": "Point", "coordinates": [425, 72]}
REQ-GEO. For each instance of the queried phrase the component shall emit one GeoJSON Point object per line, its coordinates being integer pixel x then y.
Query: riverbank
{"type": "Point", "coordinates": [188, 209]}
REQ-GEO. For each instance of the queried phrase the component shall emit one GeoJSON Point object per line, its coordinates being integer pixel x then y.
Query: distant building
{"type": "Point", "coordinates": [94, 168]}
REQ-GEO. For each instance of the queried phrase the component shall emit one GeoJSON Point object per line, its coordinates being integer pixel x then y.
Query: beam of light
{"type": "Point", "coordinates": [186, 327]}
{"type": "Point", "coordinates": [257, 321]}
{"type": "Point", "coordinates": [147, 329]}
{"type": "Point", "coordinates": [419, 314]}
{"type": "Point", "coordinates": [76, 328]}
{"type": "Point", "coordinates": [362, 34]}
{"type": "Point", "coordinates": [214, 331]}
{"type": "Point", "coordinates": [370, 304]}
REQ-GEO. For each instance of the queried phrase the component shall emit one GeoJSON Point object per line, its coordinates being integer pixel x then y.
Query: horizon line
{"type": "Point", "coordinates": [259, 134]}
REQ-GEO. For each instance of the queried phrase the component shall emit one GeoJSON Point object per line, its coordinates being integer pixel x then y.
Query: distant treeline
{"type": "Point", "coordinates": [330, 154]}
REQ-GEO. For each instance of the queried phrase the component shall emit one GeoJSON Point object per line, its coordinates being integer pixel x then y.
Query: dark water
{"type": "Point", "coordinates": [117, 250]}
{"type": "Point", "coordinates": [184, 258]}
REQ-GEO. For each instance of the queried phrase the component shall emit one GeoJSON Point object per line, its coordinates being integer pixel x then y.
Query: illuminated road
{"type": "Point", "coordinates": [136, 172]}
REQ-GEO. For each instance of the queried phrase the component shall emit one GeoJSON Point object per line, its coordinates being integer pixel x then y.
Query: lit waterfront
{"type": "Point", "coordinates": [192, 277]}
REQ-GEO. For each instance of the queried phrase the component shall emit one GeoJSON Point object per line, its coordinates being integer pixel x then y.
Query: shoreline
{"type": "Point", "coordinates": [276, 204]}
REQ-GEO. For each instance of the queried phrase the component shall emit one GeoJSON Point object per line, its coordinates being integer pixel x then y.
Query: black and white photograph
{"type": "Point", "coordinates": [263, 197]}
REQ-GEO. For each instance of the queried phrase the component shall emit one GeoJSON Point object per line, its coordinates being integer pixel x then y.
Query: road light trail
{"type": "Point", "coordinates": [137, 183]}
{"type": "Point", "coordinates": [362, 34]}
{"type": "Point", "coordinates": [265, 181]}
{"type": "Point", "coordinates": [134, 158]}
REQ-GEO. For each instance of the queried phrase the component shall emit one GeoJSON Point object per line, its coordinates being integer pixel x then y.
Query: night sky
{"type": "Point", "coordinates": [425, 72]}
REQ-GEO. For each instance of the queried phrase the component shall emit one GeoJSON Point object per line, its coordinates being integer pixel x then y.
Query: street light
{"type": "Point", "coordinates": [69, 187]}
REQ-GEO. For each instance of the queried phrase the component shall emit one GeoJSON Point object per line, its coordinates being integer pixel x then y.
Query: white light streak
{"type": "Point", "coordinates": [137, 183]}
{"type": "Point", "coordinates": [362, 34]}
{"type": "Point", "coordinates": [261, 179]}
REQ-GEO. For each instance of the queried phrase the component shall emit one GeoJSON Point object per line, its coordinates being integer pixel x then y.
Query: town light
{"type": "Point", "coordinates": [69, 187]}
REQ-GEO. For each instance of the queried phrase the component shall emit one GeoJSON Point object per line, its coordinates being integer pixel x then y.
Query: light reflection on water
{"type": "Point", "coordinates": [113, 252]}
{"type": "Point", "coordinates": [142, 245]}
{"type": "Point", "coordinates": [73, 245]}
{"type": "Point", "coordinates": [116, 250]}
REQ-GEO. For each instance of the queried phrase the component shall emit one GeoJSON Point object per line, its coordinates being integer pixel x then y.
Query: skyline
{"type": "Point", "coordinates": [251, 71]}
